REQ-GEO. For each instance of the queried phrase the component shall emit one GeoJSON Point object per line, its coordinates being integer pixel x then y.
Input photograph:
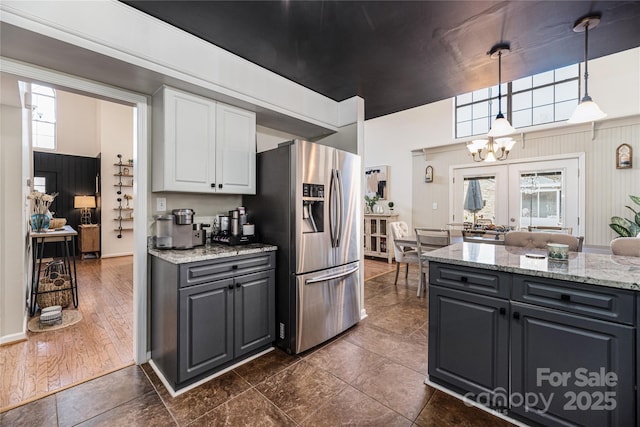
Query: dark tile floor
{"type": "Point", "coordinates": [371, 375]}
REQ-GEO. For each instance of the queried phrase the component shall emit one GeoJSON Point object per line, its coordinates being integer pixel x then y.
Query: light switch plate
{"type": "Point", "coordinates": [161, 204]}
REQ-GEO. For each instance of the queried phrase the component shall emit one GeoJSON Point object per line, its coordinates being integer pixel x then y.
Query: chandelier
{"type": "Point", "coordinates": [587, 110]}
{"type": "Point", "coordinates": [490, 150]}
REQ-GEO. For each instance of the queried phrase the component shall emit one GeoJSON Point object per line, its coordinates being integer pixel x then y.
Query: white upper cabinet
{"type": "Point", "coordinates": [202, 146]}
{"type": "Point", "coordinates": [236, 150]}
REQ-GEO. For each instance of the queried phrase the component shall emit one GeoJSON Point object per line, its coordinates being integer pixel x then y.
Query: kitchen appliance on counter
{"type": "Point", "coordinates": [232, 229]}
{"type": "Point", "coordinates": [308, 204]}
{"type": "Point", "coordinates": [177, 231]}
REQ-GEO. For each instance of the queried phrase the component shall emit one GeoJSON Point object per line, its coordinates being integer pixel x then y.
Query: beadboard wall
{"type": "Point", "coordinates": [607, 188]}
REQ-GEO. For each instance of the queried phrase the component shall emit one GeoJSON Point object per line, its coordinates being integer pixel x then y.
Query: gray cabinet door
{"type": "Point", "coordinates": [568, 359]}
{"type": "Point", "coordinates": [254, 302]}
{"type": "Point", "coordinates": [468, 343]}
{"type": "Point", "coordinates": [206, 328]}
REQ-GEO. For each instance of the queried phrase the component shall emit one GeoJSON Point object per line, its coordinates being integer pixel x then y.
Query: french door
{"type": "Point", "coordinates": [518, 195]}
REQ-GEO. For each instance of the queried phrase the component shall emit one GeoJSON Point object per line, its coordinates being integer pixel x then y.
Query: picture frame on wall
{"type": "Point", "coordinates": [428, 174]}
{"type": "Point", "coordinates": [624, 156]}
{"type": "Point", "coordinates": [376, 180]}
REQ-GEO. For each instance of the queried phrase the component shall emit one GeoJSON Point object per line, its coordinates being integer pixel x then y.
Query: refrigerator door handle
{"type": "Point", "coordinates": [332, 209]}
{"type": "Point", "coordinates": [340, 212]}
{"type": "Point", "coordinates": [331, 277]}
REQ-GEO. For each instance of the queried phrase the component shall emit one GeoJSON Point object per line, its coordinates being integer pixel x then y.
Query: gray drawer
{"type": "Point", "coordinates": [207, 271]}
{"type": "Point", "coordinates": [598, 302]}
{"type": "Point", "coordinates": [477, 280]}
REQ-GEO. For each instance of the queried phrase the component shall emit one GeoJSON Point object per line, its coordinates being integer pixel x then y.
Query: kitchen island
{"type": "Point", "coordinates": [212, 308]}
{"type": "Point", "coordinates": [535, 340]}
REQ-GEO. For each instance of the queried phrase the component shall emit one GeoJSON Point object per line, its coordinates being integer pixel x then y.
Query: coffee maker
{"type": "Point", "coordinates": [232, 229]}
{"type": "Point", "coordinates": [177, 231]}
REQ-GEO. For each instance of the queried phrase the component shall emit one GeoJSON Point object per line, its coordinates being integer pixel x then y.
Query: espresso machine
{"type": "Point", "coordinates": [177, 231]}
{"type": "Point", "coordinates": [234, 229]}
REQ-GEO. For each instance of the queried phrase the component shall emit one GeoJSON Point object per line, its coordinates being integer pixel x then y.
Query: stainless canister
{"type": "Point", "coordinates": [234, 222]}
{"type": "Point", "coordinates": [164, 231]}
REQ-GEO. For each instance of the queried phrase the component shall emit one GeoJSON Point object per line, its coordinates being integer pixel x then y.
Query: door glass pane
{"type": "Point", "coordinates": [40, 184]}
{"type": "Point", "coordinates": [541, 199]}
{"type": "Point", "coordinates": [479, 202]}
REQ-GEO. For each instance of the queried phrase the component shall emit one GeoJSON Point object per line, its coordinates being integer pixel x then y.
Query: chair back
{"type": "Point", "coordinates": [539, 240]}
{"type": "Point", "coordinates": [398, 229]}
{"type": "Point", "coordinates": [626, 246]}
{"type": "Point", "coordinates": [550, 229]}
{"type": "Point", "coordinates": [429, 239]}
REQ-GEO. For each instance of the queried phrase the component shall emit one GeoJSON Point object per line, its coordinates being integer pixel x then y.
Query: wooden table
{"type": "Point", "coordinates": [63, 236]}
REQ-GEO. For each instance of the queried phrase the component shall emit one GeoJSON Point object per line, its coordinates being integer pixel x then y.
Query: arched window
{"type": "Point", "coordinates": [43, 118]}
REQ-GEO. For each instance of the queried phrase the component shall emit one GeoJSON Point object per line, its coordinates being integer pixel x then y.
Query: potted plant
{"type": "Point", "coordinates": [371, 202]}
{"type": "Point", "coordinates": [626, 227]}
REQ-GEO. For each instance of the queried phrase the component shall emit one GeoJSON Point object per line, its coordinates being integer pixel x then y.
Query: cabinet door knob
{"type": "Point", "coordinates": [219, 185]}
{"type": "Point", "coordinates": [464, 279]}
{"type": "Point", "coordinates": [238, 285]}
{"type": "Point", "coordinates": [231, 286]}
{"type": "Point", "coordinates": [213, 185]}
{"type": "Point", "coordinates": [503, 311]}
{"type": "Point", "coordinates": [516, 315]}
{"type": "Point", "coordinates": [565, 297]}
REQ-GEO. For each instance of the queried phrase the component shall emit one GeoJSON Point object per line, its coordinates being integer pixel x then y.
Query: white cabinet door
{"type": "Point", "coordinates": [236, 150]}
{"type": "Point", "coordinates": [184, 142]}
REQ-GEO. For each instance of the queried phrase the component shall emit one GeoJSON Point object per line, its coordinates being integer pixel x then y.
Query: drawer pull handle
{"type": "Point", "coordinates": [503, 311]}
{"type": "Point", "coordinates": [213, 185]}
{"type": "Point", "coordinates": [238, 285]}
{"type": "Point", "coordinates": [464, 279]}
{"type": "Point", "coordinates": [565, 297]}
{"type": "Point", "coordinates": [516, 315]}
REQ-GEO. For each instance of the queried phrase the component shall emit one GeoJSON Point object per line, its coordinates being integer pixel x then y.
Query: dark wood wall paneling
{"type": "Point", "coordinates": [68, 176]}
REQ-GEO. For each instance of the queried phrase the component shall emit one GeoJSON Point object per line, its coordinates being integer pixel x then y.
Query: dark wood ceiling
{"type": "Point", "coordinates": [402, 54]}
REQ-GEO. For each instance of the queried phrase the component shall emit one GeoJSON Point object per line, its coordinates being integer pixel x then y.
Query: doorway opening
{"type": "Point", "coordinates": [128, 270]}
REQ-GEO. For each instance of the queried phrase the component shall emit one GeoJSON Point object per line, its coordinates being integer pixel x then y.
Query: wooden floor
{"type": "Point", "coordinates": [374, 267]}
{"type": "Point", "coordinates": [100, 343]}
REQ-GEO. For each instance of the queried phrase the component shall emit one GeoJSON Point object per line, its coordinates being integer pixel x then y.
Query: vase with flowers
{"type": "Point", "coordinates": [40, 215]}
{"type": "Point", "coordinates": [371, 202]}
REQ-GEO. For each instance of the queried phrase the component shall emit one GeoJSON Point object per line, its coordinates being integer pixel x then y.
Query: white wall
{"type": "Point", "coordinates": [614, 83]}
{"type": "Point", "coordinates": [115, 136]}
{"type": "Point", "coordinates": [268, 139]}
{"type": "Point", "coordinates": [13, 271]}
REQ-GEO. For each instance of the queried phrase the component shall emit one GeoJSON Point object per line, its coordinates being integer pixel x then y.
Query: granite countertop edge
{"type": "Point", "coordinates": [593, 269]}
{"type": "Point", "coordinates": [208, 252]}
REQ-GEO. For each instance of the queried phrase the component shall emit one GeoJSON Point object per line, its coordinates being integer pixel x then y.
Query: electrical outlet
{"type": "Point", "coordinates": [161, 204]}
{"type": "Point", "coordinates": [434, 206]}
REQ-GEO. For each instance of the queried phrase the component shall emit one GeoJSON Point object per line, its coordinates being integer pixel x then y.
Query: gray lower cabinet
{"type": "Point", "coordinates": [200, 325]}
{"type": "Point", "coordinates": [468, 341]}
{"type": "Point", "coordinates": [549, 352]}
{"type": "Point", "coordinates": [582, 367]}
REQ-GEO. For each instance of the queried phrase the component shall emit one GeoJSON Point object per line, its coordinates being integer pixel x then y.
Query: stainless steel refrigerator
{"type": "Point", "coordinates": [308, 203]}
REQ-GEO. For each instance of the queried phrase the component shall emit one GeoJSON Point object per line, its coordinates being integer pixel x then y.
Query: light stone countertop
{"type": "Point", "coordinates": [597, 269]}
{"type": "Point", "coordinates": [209, 251]}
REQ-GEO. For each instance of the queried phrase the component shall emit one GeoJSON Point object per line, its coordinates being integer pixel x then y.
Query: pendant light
{"type": "Point", "coordinates": [587, 110]}
{"type": "Point", "coordinates": [500, 126]}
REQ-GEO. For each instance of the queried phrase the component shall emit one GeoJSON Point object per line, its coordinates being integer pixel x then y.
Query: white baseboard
{"type": "Point", "coordinates": [116, 255]}
{"type": "Point", "coordinates": [11, 338]}
{"type": "Point", "coordinates": [175, 393]}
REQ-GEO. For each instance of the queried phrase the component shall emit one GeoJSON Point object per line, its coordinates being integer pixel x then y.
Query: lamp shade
{"type": "Point", "coordinates": [501, 127]}
{"type": "Point", "coordinates": [587, 111]}
{"type": "Point", "coordinates": [80, 202]}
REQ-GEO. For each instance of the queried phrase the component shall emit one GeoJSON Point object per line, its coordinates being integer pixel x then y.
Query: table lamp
{"type": "Point", "coordinates": [86, 203]}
